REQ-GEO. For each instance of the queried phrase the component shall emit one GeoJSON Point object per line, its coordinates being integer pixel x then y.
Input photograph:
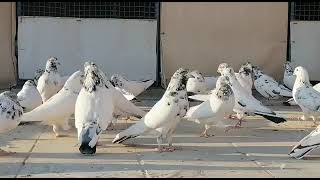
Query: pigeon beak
{"type": "Point", "coordinates": [86, 149]}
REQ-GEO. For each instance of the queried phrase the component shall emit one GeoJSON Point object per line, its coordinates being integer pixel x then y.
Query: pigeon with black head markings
{"type": "Point", "coordinates": [164, 116]}
{"type": "Point", "coordinates": [93, 108]}
{"type": "Point", "coordinates": [267, 86]}
{"type": "Point", "coordinates": [10, 113]}
{"type": "Point", "coordinates": [130, 89]}
{"type": "Point", "coordinates": [50, 81]}
{"type": "Point", "coordinates": [214, 110]}
{"type": "Point", "coordinates": [288, 77]}
{"type": "Point", "coordinates": [245, 103]}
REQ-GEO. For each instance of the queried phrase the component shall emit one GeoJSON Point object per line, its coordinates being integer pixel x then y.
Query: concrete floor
{"type": "Point", "coordinates": [259, 149]}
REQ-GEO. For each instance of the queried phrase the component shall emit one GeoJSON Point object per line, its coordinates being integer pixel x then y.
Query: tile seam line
{"type": "Point", "coordinates": [252, 159]}
{"type": "Point", "coordinates": [29, 154]}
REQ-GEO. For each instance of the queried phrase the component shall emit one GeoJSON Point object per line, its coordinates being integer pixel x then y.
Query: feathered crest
{"type": "Point", "coordinates": [30, 83]}
{"type": "Point", "coordinates": [288, 67]}
{"type": "Point", "coordinates": [246, 68]}
{"type": "Point", "coordinates": [51, 65]}
{"type": "Point", "coordinates": [11, 95]}
{"type": "Point", "coordinates": [223, 87]}
{"type": "Point", "coordinates": [92, 77]}
{"type": "Point", "coordinates": [179, 80]}
{"type": "Point", "coordinates": [117, 80]}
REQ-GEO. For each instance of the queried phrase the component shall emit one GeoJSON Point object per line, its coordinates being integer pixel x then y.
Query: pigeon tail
{"type": "Point", "coordinates": [132, 132]}
{"type": "Point", "coordinates": [300, 151]}
{"type": "Point", "coordinates": [271, 117]}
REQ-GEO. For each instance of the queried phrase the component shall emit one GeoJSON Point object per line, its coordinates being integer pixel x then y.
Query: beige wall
{"type": "Point", "coordinates": [7, 35]}
{"type": "Point", "coordinates": [201, 35]}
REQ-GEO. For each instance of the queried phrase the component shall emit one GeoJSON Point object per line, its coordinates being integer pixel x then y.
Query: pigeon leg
{"type": "Point", "coordinates": [238, 125]}
{"type": "Point", "coordinates": [110, 126]}
{"type": "Point", "coordinates": [56, 131]}
{"type": "Point", "coordinates": [205, 132]}
{"type": "Point", "coordinates": [66, 125]}
{"type": "Point", "coordinates": [315, 124]}
{"type": "Point", "coordinates": [304, 117]}
{"type": "Point", "coordinates": [159, 141]}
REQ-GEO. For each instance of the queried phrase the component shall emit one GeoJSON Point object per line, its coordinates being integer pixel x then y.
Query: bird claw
{"type": "Point", "coordinates": [205, 134]}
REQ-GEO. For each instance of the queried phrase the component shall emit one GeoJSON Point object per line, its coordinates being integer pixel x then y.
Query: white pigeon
{"type": "Point", "coordinates": [50, 81]}
{"type": "Point", "coordinates": [10, 113]}
{"type": "Point", "coordinates": [132, 87]}
{"type": "Point", "coordinates": [291, 102]}
{"type": "Point", "coordinates": [288, 77]}
{"type": "Point", "coordinates": [245, 103]}
{"type": "Point", "coordinates": [100, 95]}
{"type": "Point", "coordinates": [29, 96]}
{"type": "Point", "coordinates": [244, 76]}
{"type": "Point", "coordinates": [93, 109]}
{"type": "Point", "coordinates": [164, 116]}
{"type": "Point", "coordinates": [57, 110]}
{"type": "Point", "coordinates": [196, 83]}
{"type": "Point", "coordinates": [214, 110]}
{"type": "Point", "coordinates": [305, 95]}
{"type": "Point", "coordinates": [306, 145]}
{"type": "Point", "coordinates": [267, 86]}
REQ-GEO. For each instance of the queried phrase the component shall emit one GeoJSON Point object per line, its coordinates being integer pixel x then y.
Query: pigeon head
{"type": "Point", "coordinates": [88, 137]}
{"type": "Point", "coordinates": [301, 75]}
{"type": "Point", "coordinates": [288, 67]}
{"type": "Point", "coordinates": [92, 77]}
{"type": "Point", "coordinates": [179, 79]}
{"type": "Point", "coordinates": [52, 64]}
{"type": "Point", "coordinates": [222, 66]}
{"type": "Point", "coordinates": [30, 83]}
{"type": "Point", "coordinates": [227, 71]}
{"type": "Point", "coordinates": [74, 81]}
{"type": "Point", "coordinates": [246, 69]}
{"type": "Point", "coordinates": [196, 75]}
{"type": "Point", "coordinates": [11, 95]}
{"type": "Point", "coordinates": [223, 88]}
{"type": "Point", "coordinates": [117, 80]}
